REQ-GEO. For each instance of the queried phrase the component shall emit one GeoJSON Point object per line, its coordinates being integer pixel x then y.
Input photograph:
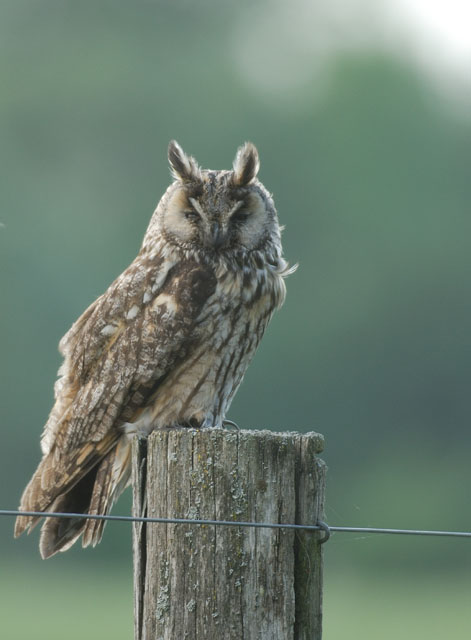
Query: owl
{"type": "Point", "coordinates": [167, 345]}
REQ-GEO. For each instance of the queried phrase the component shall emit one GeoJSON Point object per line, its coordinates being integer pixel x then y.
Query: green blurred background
{"type": "Point", "coordinates": [365, 143]}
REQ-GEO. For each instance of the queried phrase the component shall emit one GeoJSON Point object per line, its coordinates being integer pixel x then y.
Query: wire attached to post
{"type": "Point", "coordinates": [323, 526]}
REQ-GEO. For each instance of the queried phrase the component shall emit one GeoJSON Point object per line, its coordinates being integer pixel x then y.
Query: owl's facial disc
{"type": "Point", "coordinates": [216, 220]}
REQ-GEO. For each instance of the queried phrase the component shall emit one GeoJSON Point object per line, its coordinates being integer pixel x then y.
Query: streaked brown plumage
{"type": "Point", "coordinates": [166, 345]}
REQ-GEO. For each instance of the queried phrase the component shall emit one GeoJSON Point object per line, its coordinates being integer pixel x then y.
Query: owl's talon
{"type": "Point", "coordinates": [230, 423]}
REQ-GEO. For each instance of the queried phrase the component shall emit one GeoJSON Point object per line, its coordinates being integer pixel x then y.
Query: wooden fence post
{"type": "Point", "coordinates": [236, 583]}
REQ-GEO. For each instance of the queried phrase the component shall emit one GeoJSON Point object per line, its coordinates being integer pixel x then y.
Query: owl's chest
{"type": "Point", "coordinates": [238, 309]}
{"type": "Point", "coordinates": [223, 341]}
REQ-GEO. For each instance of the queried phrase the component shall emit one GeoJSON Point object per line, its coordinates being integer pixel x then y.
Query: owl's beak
{"type": "Point", "coordinates": [218, 237]}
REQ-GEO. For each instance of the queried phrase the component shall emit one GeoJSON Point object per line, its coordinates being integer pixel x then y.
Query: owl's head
{"type": "Point", "coordinates": [217, 211]}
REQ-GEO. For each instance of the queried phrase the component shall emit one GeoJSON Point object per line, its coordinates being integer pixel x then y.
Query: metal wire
{"type": "Point", "coordinates": [406, 532]}
{"type": "Point", "coordinates": [227, 523]}
{"type": "Point", "coordinates": [320, 526]}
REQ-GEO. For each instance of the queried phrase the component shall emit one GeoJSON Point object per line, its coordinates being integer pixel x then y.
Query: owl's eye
{"type": "Point", "coordinates": [191, 214]}
{"type": "Point", "coordinates": [240, 215]}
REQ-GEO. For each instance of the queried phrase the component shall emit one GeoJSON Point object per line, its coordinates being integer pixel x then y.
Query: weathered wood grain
{"type": "Point", "coordinates": [236, 583]}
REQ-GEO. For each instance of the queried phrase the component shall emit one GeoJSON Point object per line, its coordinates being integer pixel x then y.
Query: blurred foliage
{"type": "Point", "coordinates": [61, 603]}
{"type": "Point", "coordinates": [371, 179]}
{"type": "Point", "coordinates": [79, 604]}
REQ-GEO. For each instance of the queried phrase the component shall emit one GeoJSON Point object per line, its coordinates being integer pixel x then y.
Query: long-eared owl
{"type": "Point", "coordinates": [166, 345]}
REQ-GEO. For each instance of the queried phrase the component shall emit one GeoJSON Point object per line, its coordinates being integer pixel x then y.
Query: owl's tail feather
{"type": "Point", "coordinates": [113, 477]}
{"type": "Point", "coordinates": [59, 534]}
{"type": "Point", "coordinates": [56, 475]}
{"type": "Point", "coordinates": [89, 488]}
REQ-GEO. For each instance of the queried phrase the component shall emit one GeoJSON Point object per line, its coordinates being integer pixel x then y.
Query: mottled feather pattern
{"type": "Point", "coordinates": [166, 345]}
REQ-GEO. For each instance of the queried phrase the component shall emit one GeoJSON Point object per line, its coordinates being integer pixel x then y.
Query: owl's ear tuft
{"type": "Point", "coordinates": [246, 164]}
{"type": "Point", "coordinates": [183, 166]}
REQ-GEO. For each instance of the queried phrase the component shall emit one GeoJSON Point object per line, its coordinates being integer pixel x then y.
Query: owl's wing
{"type": "Point", "coordinates": [115, 356]}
